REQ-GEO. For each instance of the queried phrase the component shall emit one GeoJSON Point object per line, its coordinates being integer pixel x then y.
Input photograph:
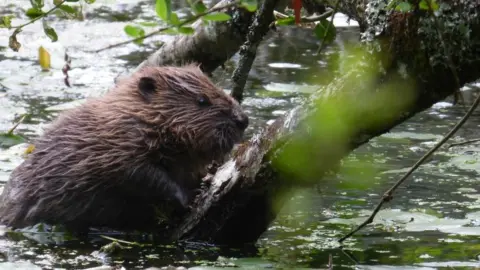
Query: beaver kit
{"type": "Point", "coordinates": [114, 160]}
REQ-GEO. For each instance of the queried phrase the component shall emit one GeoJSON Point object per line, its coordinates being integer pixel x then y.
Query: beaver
{"type": "Point", "coordinates": [113, 160]}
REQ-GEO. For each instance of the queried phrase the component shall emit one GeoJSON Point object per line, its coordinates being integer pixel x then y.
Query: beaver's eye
{"type": "Point", "coordinates": [203, 101]}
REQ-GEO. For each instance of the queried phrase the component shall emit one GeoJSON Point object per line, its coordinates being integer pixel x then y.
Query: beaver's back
{"type": "Point", "coordinates": [73, 168]}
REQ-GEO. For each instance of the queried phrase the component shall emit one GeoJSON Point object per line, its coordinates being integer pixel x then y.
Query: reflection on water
{"type": "Point", "coordinates": [433, 221]}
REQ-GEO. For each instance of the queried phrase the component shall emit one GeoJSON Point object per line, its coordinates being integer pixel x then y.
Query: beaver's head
{"type": "Point", "coordinates": [184, 105]}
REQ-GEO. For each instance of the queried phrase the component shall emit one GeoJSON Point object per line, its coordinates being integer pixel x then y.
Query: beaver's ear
{"type": "Point", "coordinates": [147, 87]}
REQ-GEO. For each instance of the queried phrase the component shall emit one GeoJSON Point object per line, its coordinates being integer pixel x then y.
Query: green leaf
{"type": "Point", "coordinates": [322, 33]}
{"type": "Point", "coordinates": [424, 4]}
{"type": "Point", "coordinates": [68, 9]}
{"type": "Point", "coordinates": [135, 32]}
{"type": "Point", "coordinates": [403, 7]}
{"type": "Point", "coordinates": [33, 13]}
{"type": "Point", "coordinates": [286, 21]}
{"type": "Point", "coordinates": [8, 140]}
{"type": "Point", "coordinates": [89, 1]}
{"type": "Point", "coordinates": [198, 7]}
{"type": "Point", "coordinates": [50, 32]}
{"type": "Point", "coordinates": [217, 16]}
{"type": "Point", "coordinates": [174, 19]}
{"type": "Point", "coordinates": [38, 4]}
{"type": "Point", "coordinates": [250, 5]}
{"type": "Point", "coordinates": [186, 30]}
{"type": "Point", "coordinates": [149, 24]}
{"type": "Point", "coordinates": [163, 9]}
{"type": "Point", "coordinates": [6, 21]}
{"type": "Point", "coordinates": [171, 31]}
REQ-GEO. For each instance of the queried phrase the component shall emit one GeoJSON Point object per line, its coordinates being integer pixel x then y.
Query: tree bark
{"type": "Point", "coordinates": [259, 28]}
{"type": "Point", "coordinates": [411, 72]}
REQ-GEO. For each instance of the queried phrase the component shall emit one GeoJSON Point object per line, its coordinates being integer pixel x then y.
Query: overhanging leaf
{"type": "Point", "coordinates": [186, 30]}
{"type": "Point", "coordinates": [322, 33]}
{"type": "Point", "coordinates": [6, 21]}
{"type": "Point", "coordinates": [198, 7]}
{"type": "Point", "coordinates": [36, 3]}
{"type": "Point", "coordinates": [428, 4]}
{"type": "Point", "coordinates": [50, 32]}
{"type": "Point", "coordinates": [163, 9]}
{"type": "Point", "coordinates": [250, 5]}
{"type": "Point", "coordinates": [285, 21]}
{"type": "Point", "coordinates": [403, 7]}
{"type": "Point", "coordinates": [217, 16]}
{"type": "Point", "coordinates": [149, 24]}
{"type": "Point", "coordinates": [68, 9]}
{"type": "Point", "coordinates": [135, 32]}
{"type": "Point", "coordinates": [33, 13]}
{"type": "Point", "coordinates": [174, 19]}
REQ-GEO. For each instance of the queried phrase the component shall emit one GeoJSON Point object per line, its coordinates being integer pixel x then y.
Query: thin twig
{"type": "Point", "coordinates": [463, 143]}
{"type": "Point", "coordinates": [318, 17]}
{"type": "Point", "coordinates": [156, 32]}
{"type": "Point", "coordinates": [349, 255]}
{"type": "Point", "coordinates": [387, 196]}
{"type": "Point", "coordinates": [335, 9]}
{"type": "Point", "coordinates": [122, 241]}
{"type": "Point", "coordinates": [280, 15]}
{"type": "Point", "coordinates": [39, 17]}
{"type": "Point", "coordinates": [315, 18]}
{"type": "Point", "coordinates": [10, 131]}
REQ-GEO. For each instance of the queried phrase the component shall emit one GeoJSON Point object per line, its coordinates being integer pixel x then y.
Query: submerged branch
{"type": "Point", "coordinates": [464, 143]}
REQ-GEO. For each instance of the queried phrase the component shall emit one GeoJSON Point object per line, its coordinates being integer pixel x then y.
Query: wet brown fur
{"type": "Point", "coordinates": [112, 160]}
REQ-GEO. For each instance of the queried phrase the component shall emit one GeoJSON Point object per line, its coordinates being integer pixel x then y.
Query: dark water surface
{"type": "Point", "coordinates": [432, 223]}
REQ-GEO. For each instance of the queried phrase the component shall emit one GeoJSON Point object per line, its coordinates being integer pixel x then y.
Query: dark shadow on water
{"type": "Point", "coordinates": [145, 250]}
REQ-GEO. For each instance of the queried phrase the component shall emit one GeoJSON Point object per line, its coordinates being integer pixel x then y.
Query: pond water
{"type": "Point", "coordinates": [432, 223]}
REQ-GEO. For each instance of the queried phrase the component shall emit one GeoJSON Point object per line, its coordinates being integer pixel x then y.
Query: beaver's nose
{"type": "Point", "coordinates": [241, 120]}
